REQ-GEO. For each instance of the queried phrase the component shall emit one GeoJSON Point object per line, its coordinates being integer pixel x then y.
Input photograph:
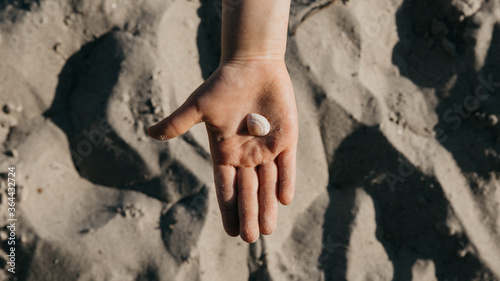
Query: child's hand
{"type": "Point", "coordinates": [251, 173]}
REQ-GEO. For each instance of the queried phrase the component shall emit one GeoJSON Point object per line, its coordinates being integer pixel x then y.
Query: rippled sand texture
{"type": "Point", "coordinates": [399, 149]}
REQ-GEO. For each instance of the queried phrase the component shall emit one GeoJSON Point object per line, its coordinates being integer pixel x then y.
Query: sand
{"type": "Point", "coordinates": [398, 172]}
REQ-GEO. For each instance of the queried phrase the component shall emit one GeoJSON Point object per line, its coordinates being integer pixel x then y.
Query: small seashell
{"type": "Point", "coordinates": [258, 125]}
{"type": "Point", "coordinates": [492, 120]}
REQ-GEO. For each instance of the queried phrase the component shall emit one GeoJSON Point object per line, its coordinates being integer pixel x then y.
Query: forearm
{"type": "Point", "coordinates": [254, 29]}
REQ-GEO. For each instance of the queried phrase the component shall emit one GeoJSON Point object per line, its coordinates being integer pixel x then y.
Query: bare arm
{"type": "Point", "coordinates": [254, 29]}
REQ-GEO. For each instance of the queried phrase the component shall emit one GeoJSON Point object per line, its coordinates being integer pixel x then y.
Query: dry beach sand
{"type": "Point", "coordinates": [398, 173]}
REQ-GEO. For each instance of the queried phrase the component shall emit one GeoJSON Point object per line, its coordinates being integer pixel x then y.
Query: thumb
{"type": "Point", "coordinates": [177, 123]}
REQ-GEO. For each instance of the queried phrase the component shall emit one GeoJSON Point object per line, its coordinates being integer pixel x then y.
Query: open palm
{"type": "Point", "coordinates": [252, 174]}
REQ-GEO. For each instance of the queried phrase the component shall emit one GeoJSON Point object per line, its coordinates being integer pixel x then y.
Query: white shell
{"type": "Point", "coordinates": [258, 125]}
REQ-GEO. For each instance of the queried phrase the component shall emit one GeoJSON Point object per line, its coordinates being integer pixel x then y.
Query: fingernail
{"type": "Point", "coordinates": [152, 134]}
{"type": "Point", "coordinates": [148, 130]}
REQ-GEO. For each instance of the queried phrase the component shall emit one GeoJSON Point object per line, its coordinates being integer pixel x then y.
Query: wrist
{"type": "Point", "coordinates": [257, 63]}
{"type": "Point", "coordinates": [248, 54]}
{"type": "Point", "coordinates": [251, 73]}
{"type": "Point", "coordinates": [253, 49]}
